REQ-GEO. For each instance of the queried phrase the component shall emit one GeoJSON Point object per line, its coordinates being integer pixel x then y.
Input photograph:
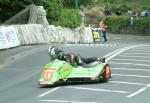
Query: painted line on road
{"type": "Point", "coordinates": [130, 83]}
{"type": "Point", "coordinates": [146, 54]}
{"type": "Point", "coordinates": [129, 64]}
{"type": "Point", "coordinates": [64, 101]}
{"type": "Point", "coordinates": [111, 53]}
{"type": "Point", "coordinates": [101, 90]}
{"type": "Point", "coordinates": [119, 51]}
{"type": "Point", "coordinates": [131, 60]}
{"type": "Point", "coordinates": [125, 75]}
{"type": "Point", "coordinates": [52, 90]}
{"type": "Point", "coordinates": [144, 51]}
{"type": "Point", "coordinates": [145, 70]}
{"type": "Point", "coordinates": [140, 38]}
{"type": "Point", "coordinates": [139, 91]}
{"type": "Point", "coordinates": [131, 56]}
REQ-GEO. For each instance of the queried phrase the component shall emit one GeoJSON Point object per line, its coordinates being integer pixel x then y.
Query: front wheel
{"type": "Point", "coordinates": [107, 73]}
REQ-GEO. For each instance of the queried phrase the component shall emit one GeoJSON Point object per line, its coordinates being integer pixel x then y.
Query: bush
{"type": "Point", "coordinates": [69, 18]}
{"type": "Point", "coordinates": [52, 7]}
{"type": "Point", "coordinates": [122, 25]}
{"type": "Point", "coordinates": [10, 7]}
{"type": "Point", "coordinates": [143, 25]}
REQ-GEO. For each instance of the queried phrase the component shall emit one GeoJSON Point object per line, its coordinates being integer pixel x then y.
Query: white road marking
{"type": "Point", "coordinates": [111, 53]}
{"type": "Point", "coordinates": [144, 51]}
{"type": "Point", "coordinates": [145, 70]}
{"type": "Point", "coordinates": [52, 90]}
{"type": "Point", "coordinates": [148, 85]}
{"type": "Point", "coordinates": [140, 38]}
{"type": "Point", "coordinates": [101, 90]}
{"type": "Point", "coordinates": [132, 60]}
{"type": "Point", "coordinates": [139, 91]}
{"type": "Point", "coordinates": [129, 64]}
{"type": "Point", "coordinates": [64, 101]}
{"type": "Point", "coordinates": [134, 56]}
{"type": "Point", "coordinates": [120, 51]}
{"type": "Point", "coordinates": [141, 76]}
{"type": "Point", "coordinates": [130, 83]}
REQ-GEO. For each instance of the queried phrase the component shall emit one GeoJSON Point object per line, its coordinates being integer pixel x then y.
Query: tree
{"type": "Point", "coordinates": [53, 10]}
{"type": "Point", "coordinates": [10, 7]}
{"type": "Point", "coordinates": [73, 3]}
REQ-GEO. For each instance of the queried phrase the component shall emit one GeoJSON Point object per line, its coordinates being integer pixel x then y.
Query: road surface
{"type": "Point", "coordinates": [128, 56]}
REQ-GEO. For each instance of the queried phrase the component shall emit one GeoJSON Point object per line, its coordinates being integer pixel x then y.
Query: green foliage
{"type": "Point", "coordinates": [69, 18]}
{"type": "Point", "coordinates": [122, 25]}
{"type": "Point", "coordinates": [72, 3]}
{"type": "Point", "coordinates": [124, 7]}
{"type": "Point", "coordinates": [115, 24]}
{"type": "Point", "coordinates": [55, 15]}
{"type": "Point", "coordinates": [10, 7]}
{"type": "Point", "coordinates": [53, 11]}
{"type": "Point", "coordinates": [143, 24]}
{"type": "Point", "coordinates": [52, 7]}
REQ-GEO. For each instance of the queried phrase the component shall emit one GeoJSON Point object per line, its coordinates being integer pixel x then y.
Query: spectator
{"type": "Point", "coordinates": [103, 27]}
{"type": "Point", "coordinates": [145, 14]}
{"type": "Point", "coordinates": [118, 11]}
{"type": "Point", "coordinates": [106, 10]}
{"type": "Point", "coordinates": [133, 19]}
{"type": "Point", "coordinates": [142, 13]}
{"type": "Point", "coordinates": [129, 12]}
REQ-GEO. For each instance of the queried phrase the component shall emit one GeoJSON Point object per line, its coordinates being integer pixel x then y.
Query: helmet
{"type": "Point", "coordinates": [53, 52]}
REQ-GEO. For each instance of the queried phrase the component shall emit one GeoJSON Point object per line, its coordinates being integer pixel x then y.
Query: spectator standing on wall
{"type": "Point", "coordinates": [133, 19]}
{"type": "Point", "coordinates": [103, 27]}
{"type": "Point", "coordinates": [106, 10]}
{"type": "Point", "coordinates": [118, 11]}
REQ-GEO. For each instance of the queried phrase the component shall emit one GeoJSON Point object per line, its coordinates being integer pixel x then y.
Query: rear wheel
{"type": "Point", "coordinates": [107, 73]}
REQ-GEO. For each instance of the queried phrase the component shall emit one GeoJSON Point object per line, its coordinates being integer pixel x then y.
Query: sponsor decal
{"type": "Point", "coordinates": [8, 37]}
{"type": "Point", "coordinates": [96, 35]}
{"type": "Point", "coordinates": [48, 75]}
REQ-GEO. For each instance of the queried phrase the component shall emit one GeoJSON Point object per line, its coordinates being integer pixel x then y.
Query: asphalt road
{"type": "Point", "coordinates": [129, 58]}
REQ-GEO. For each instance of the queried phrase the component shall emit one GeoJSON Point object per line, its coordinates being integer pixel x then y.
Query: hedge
{"type": "Point", "coordinates": [121, 25]}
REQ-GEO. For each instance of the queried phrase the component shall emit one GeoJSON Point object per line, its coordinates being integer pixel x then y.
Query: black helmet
{"type": "Point", "coordinates": [53, 52]}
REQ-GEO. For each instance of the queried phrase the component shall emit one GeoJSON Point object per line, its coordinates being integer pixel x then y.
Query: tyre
{"type": "Point", "coordinates": [107, 73]}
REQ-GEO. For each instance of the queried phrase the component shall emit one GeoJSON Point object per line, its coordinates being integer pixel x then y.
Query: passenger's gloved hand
{"type": "Point", "coordinates": [102, 59]}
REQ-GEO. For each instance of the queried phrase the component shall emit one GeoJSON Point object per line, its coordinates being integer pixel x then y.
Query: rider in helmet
{"type": "Point", "coordinates": [73, 59]}
{"type": "Point", "coordinates": [56, 53]}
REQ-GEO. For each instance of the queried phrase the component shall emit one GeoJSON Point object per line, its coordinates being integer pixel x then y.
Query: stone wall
{"type": "Point", "coordinates": [37, 34]}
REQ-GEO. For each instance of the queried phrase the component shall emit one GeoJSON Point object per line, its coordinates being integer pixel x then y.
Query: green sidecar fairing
{"type": "Point", "coordinates": [56, 71]}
